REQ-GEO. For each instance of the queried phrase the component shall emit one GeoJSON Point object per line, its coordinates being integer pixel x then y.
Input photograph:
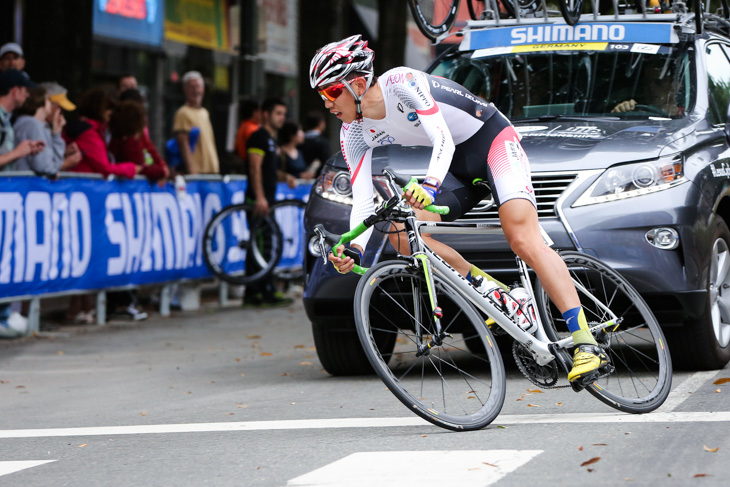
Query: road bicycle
{"type": "Point", "coordinates": [235, 234]}
{"type": "Point", "coordinates": [429, 333]}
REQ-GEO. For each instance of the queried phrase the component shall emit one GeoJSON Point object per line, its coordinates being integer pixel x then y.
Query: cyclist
{"type": "Point", "coordinates": [471, 141]}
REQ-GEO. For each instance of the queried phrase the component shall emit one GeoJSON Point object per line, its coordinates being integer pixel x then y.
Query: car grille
{"type": "Point", "coordinates": [548, 188]}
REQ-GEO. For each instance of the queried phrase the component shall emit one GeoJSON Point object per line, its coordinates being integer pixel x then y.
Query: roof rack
{"type": "Point", "coordinates": [690, 22]}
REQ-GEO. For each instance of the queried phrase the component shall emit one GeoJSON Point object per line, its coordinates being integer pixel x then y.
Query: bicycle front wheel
{"type": "Point", "coordinates": [571, 10]}
{"type": "Point", "coordinates": [240, 247]}
{"type": "Point", "coordinates": [434, 17]}
{"type": "Point", "coordinates": [636, 348]}
{"type": "Point", "coordinates": [458, 384]}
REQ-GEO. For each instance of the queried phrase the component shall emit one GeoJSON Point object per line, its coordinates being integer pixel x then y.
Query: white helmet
{"type": "Point", "coordinates": [337, 60]}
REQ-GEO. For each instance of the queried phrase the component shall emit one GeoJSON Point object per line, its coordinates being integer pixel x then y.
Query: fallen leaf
{"type": "Point", "coordinates": [305, 363]}
{"type": "Point", "coordinates": [60, 352]}
{"type": "Point", "coordinates": [724, 380]}
{"type": "Point", "coordinates": [293, 403]}
{"type": "Point", "coordinates": [701, 475]}
{"type": "Point", "coordinates": [143, 413]}
{"type": "Point", "coordinates": [424, 436]}
{"type": "Point", "coordinates": [600, 444]}
{"type": "Point", "coordinates": [590, 462]}
{"type": "Point", "coordinates": [284, 374]}
{"type": "Point", "coordinates": [266, 354]}
{"type": "Point", "coordinates": [717, 390]}
{"type": "Point", "coordinates": [711, 450]}
{"type": "Point", "coordinates": [298, 346]}
{"type": "Point", "coordinates": [501, 427]}
{"type": "Point", "coordinates": [242, 374]}
{"type": "Point", "coordinates": [580, 448]}
{"type": "Point", "coordinates": [253, 337]}
{"type": "Point", "coordinates": [589, 469]}
{"type": "Point", "coordinates": [230, 414]}
{"type": "Point", "coordinates": [490, 464]}
{"type": "Point", "coordinates": [533, 405]}
{"type": "Point", "coordinates": [558, 403]}
{"type": "Point", "coordinates": [238, 360]}
{"type": "Point", "coordinates": [20, 387]}
{"type": "Point", "coordinates": [534, 391]}
{"type": "Point", "coordinates": [4, 382]}
{"type": "Point", "coordinates": [81, 446]}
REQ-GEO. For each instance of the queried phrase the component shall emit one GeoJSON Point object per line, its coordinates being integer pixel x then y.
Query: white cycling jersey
{"type": "Point", "coordinates": [421, 110]}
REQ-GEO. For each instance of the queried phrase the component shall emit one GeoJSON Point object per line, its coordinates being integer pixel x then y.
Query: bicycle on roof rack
{"type": "Point", "coordinates": [436, 18]}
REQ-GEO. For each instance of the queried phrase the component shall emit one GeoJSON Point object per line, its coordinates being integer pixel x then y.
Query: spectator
{"type": "Point", "coordinates": [316, 147]}
{"type": "Point", "coordinates": [263, 174]}
{"type": "Point", "coordinates": [32, 125]}
{"type": "Point", "coordinates": [290, 137]}
{"type": "Point", "coordinates": [13, 93]}
{"type": "Point", "coordinates": [94, 110]}
{"type": "Point", "coordinates": [60, 102]}
{"type": "Point", "coordinates": [204, 159]}
{"type": "Point", "coordinates": [129, 142]}
{"type": "Point", "coordinates": [126, 82]}
{"type": "Point", "coordinates": [251, 122]}
{"type": "Point", "coordinates": [11, 57]}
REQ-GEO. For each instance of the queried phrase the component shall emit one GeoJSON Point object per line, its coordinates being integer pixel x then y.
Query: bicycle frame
{"type": "Point", "coordinates": [539, 343]}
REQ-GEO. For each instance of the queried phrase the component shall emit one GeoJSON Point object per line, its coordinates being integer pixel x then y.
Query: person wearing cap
{"type": "Point", "coordinates": [57, 94]}
{"type": "Point", "coordinates": [32, 124]}
{"type": "Point", "coordinates": [11, 56]}
{"type": "Point", "coordinates": [13, 93]}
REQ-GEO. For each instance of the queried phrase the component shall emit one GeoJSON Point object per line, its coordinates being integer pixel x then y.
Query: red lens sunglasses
{"type": "Point", "coordinates": [332, 92]}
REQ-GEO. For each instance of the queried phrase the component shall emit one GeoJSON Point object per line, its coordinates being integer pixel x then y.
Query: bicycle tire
{"type": "Point", "coordinates": [476, 8]}
{"type": "Point", "coordinates": [228, 234]}
{"type": "Point", "coordinates": [434, 17]}
{"type": "Point", "coordinates": [637, 348]}
{"type": "Point", "coordinates": [289, 214]}
{"type": "Point", "coordinates": [525, 6]}
{"type": "Point", "coordinates": [391, 299]}
{"type": "Point", "coordinates": [571, 10]}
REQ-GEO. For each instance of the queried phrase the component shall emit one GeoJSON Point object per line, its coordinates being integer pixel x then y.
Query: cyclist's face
{"type": "Point", "coordinates": [343, 104]}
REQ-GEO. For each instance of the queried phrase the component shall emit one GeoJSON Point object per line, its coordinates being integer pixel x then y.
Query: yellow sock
{"type": "Point", "coordinates": [583, 335]}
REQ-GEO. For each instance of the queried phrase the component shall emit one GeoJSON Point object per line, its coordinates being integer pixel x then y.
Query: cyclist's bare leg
{"type": "Point", "coordinates": [520, 225]}
{"type": "Point", "coordinates": [399, 241]}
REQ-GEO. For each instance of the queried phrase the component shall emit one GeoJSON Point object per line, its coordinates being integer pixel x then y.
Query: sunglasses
{"type": "Point", "coordinates": [332, 92]}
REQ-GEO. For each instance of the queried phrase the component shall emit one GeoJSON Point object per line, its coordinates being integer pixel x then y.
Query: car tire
{"type": "Point", "coordinates": [704, 343]}
{"type": "Point", "coordinates": [339, 349]}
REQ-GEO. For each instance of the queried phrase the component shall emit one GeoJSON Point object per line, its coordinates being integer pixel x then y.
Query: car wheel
{"type": "Point", "coordinates": [705, 343]}
{"type": "Point", "coordinates": [339, 349]}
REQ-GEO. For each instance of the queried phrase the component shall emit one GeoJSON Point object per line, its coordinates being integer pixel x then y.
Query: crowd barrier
{"type": "Point", "coordinates": [81, 234]}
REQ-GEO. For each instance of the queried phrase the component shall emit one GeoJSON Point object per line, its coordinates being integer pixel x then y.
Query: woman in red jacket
{"type": "Point", "coordinates": [130, 143]}
{"type": "Point", "coordinates": [94, 109]}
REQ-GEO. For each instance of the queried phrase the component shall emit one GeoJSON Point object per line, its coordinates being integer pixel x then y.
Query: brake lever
{"type": "Point", "coordinates": [321, 244]}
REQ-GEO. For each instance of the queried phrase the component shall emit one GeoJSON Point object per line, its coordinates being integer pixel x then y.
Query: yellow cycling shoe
{"type": "Point", "coordinates": [587, 358]}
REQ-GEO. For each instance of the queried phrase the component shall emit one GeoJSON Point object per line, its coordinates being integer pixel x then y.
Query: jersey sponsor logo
{"type": "Point", "coordinates": [459, 92]}
{"type": "Point", "coordinates": [396, 78]}
{"type": "Point", "coordinates": [720, 172]}
{"type": "Point", "coordinates": [387, 140]}
{"type": "Point", "coordinates": [410, 79]}
{"type": "Point", "coordinates": [412, 117]}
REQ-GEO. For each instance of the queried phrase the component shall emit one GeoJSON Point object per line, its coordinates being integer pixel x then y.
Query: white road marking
{"type": "Point", "coordinates": [294, 424]}
{"type": "Point", "coordinates": [11, 467]}
{"type": "Point", "coordinates": [469, 468]}
{"type": "Point", "coordinates": [684, 390]}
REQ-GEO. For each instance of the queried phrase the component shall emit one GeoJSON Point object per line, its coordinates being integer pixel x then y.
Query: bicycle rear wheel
{"type": "Point", "coordinates": [235, 235]}
{"type": "Point", "coordinates": [434, 17]}
{"type": "Point", "coordinates": [636, 348]}
{"type": "Point", "coordinates": [571, 10]}
{"type": "Point", "coordinates": [457, 385]}
{"type": "Point", "coordinates": [289, 216]}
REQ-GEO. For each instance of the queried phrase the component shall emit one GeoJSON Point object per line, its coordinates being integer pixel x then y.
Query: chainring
{"type": "Point", "coordinates": [545, 376]}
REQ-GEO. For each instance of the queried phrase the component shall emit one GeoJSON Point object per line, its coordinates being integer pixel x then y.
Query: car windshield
{"type": "Point", "coordinates": [580, 83]}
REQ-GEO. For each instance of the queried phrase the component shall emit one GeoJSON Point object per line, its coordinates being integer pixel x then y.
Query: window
{"type": "Point", "coordinates": [718, 74]}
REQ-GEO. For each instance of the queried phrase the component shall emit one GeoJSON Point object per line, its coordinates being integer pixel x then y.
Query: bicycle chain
{"type": "Point", "coordinates": [528, 376]}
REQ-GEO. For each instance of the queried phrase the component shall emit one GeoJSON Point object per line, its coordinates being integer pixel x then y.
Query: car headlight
{"type": "Point", "coordinates": [636, 179]}
{"type": "Point", "coordinates": [334, 185]}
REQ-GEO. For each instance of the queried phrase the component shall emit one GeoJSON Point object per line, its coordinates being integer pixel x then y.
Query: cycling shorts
{"type": "Point", "coordinates": [494, 154]}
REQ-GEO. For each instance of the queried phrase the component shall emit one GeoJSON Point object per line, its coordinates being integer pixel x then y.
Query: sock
{"type": "Point", "coordinates": [475, 271]}
{"type": "Point", "coordinates": [576, 320]}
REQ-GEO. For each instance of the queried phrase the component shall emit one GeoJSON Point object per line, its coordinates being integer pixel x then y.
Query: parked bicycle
{"type": "Point", "coordinates": [422, 326]}
{"type": "Point", "coordinates": [236, 233]}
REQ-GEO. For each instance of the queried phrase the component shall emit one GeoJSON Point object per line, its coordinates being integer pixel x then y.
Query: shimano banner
{"type": "Point", "coordinates": [88, 234]}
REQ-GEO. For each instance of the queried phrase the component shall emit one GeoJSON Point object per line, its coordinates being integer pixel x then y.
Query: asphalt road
{"type": "Point", "coordinates": [238, 398]}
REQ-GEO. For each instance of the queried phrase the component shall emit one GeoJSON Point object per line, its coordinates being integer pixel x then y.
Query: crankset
{"type": "Point", "coordinates": [545, 376]}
